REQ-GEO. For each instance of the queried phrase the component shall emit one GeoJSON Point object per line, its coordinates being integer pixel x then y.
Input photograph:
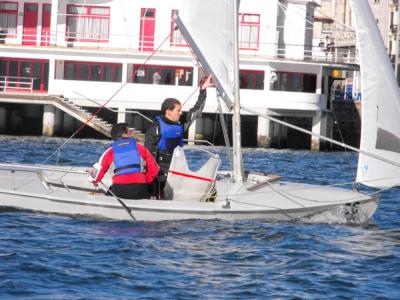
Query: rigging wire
{"type": "Point", "coordinates": [284, 9]}
{"type": "Point", "coordinates": [349, 29]}
{"type": "Point", "coordinates": [320, 136]}
{"type": "Point", "coordinates": [108, 101]}
{"type": "Point", "coordinates": [118, 90]}
{"type": "Point", "coordinates": [225, 133]}
{"type": "Point", "coordinates": [335, 122]}
{"type": "Point", "coordinates": [215, 127]}
{"type": "Point", "coordinates": [183, 103]}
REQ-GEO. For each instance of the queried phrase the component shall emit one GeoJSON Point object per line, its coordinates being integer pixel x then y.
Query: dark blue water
{"type": "Point", "coordinates": [58, 257]}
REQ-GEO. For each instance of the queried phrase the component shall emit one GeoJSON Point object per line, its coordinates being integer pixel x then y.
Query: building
{"type": "Point", "coordinates": [101, 52]}
{"type": "Point", "coordinates": [334, 27]}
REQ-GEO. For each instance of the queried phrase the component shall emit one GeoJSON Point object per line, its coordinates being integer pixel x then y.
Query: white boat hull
{"type": "Point", "coordinates": [71, 194]}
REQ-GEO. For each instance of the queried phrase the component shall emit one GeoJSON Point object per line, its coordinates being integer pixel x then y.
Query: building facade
{"type": "Point", "coordinates": [129, 55]}
{"type": "Point", "coordinates": [334, 32]}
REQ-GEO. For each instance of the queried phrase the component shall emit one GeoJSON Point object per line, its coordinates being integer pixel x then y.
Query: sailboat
{"type": "Point", "coordinates": [380, 133]}
{"type": "Point", "coordinates": [229, 195]}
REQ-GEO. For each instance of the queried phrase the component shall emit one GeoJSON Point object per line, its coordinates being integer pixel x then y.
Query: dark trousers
{"type": "Point", "coordinates": [157, 188]}
{"type": "Point", "coordinates": [131, 191]}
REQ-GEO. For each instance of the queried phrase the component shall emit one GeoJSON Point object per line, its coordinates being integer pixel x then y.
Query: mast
{"type": "Point", "coordinates": [236, 134]}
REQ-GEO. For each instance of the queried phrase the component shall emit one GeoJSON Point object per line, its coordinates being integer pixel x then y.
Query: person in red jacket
{"type": "Point", "coordinates": [134, 166]}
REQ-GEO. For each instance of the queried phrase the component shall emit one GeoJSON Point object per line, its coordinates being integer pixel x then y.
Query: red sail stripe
{"type": "Point", "coordinates": [191, 176]}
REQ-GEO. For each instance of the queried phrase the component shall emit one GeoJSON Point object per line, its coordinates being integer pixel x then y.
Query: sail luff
{"type": "Point", "coordinates": [210, 28]}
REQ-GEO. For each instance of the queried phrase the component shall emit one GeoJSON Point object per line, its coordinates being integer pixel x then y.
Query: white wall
{"type": "Point", "coordinates": [294, 31]}
{"type": "Point", "coordinates": [124, 42]}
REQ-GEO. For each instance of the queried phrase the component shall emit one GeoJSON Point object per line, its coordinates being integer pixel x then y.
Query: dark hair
{"type": "Point", "coordinates": [118, 130]}
{"type": "Point", "coordinates": [169, 104]}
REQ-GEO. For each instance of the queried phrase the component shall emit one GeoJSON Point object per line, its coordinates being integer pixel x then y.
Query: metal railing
{"type": "Point", "coordinates": [342, 55]}
{"type": "Point", "coordinates": [14, 83]}
{"type": "Point", "coordinates": [131, 43]}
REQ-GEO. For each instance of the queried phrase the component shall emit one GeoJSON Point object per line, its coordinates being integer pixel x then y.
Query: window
{"type": "Point", "coordinates": [3, 68]}
{"type": "Point", "coordinates": [253, 80]}
{"type": "Point", "coordinates": [147, 29]}
{"type": "Point", "coordinates": [249, 31]}
{"type": "Point", "coordinates": [176, 37]}
{"type": "Point", "coordinates": [166, 75]}
{"type": "Point", "coordinates": [8, 19]}
{"type": "Point", "coordinates": [84, 72]}
{"type": "Point", "coordinates": [92, 71]}
{"type": "Point", "coordinates": [24, 75]}
{"type": "Point", "coordinates": [295, 82]}
{"type": "Point", "coordinates": [71, 71]}
{"type": "Point", "coordinates": [87, 23]}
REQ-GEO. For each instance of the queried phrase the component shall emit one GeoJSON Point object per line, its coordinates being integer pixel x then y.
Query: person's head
{"type": "Point", "coordinates": [119, 131]}
{"type": "Point", "coordinates": [171, 109]}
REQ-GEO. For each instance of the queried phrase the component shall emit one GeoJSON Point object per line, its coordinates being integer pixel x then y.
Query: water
{"type": "Point", "coordinates": [58, 257]}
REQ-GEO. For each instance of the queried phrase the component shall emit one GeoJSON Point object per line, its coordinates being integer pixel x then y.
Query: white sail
{"type": "Point", "coordinates": [218, 54]}
{"type": "Point", "coordinates": [380, 117]}
{"type": "Point", "coordinates": [196, 20]}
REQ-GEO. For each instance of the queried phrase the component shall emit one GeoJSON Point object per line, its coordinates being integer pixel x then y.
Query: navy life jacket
{"type": "Point", "coordinates": [126, 157]}
{"type": "Point", "coordinates": [171, 136]}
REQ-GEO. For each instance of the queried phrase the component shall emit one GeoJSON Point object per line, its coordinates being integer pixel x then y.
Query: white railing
{"type": "Point", "coordinates": [132, 43]}
{"type": "Point", "coordinates": [18, 84]}
{"type": "Point", "coordinates": [343, 55]}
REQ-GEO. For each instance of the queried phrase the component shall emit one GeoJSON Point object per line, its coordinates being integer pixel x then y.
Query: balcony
{"type": "Point", "coordinates": [64, 43]}
{"type": "Point", "coordinates": [16, 84]}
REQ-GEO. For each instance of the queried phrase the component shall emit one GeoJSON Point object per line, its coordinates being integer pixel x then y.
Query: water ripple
{"type": "Point", "coordinates": [57, 257]}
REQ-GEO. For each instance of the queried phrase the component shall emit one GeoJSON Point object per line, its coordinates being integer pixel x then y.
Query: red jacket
{"type": "Point", "coordinates": [107, 158]}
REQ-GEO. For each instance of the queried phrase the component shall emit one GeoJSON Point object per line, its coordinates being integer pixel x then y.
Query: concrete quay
{"type": "Point", "coordinates": [55, 116]}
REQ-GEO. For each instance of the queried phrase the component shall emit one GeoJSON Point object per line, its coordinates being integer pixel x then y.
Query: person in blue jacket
{"type": "Point", "coordinates": [167, 131]}
{"type": "Point", "coordinates": [134, 166]}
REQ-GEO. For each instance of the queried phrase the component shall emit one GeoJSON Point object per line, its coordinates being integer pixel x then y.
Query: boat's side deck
{"type": "Point", "coordinates": [72, 194]}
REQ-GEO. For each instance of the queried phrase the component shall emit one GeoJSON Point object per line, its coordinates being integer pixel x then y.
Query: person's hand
{"type": "Point", "coordinates": [95, 188]}
{"type": "Point", "coordinates": [206, 82]}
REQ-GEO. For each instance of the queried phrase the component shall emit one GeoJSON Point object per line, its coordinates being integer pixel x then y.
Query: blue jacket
{"type": "Point", "coordinates": [126, 157]}
{"type": "Point", "coordinates": [171, 136]}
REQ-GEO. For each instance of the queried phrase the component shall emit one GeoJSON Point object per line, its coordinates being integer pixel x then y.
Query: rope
{"type": "Point", "coordinates": [118, 90]}
{"type": "Point", "coordinates": [190, 95]}
{"type": "Point", "coordinates": [341, 137]}
{"type": "Point", "coordinates": [128, 210]}
{"type": "Point", "coordinates": [387, 188]}
{"type": "Point", "coordinates": [102, 106]}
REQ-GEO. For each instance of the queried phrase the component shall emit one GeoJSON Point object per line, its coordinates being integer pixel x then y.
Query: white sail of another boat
{"type": "Point", "coordinates": [380, 125]}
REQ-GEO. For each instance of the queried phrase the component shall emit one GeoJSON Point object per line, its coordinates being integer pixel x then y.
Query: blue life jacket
{"type": "Point", "coordinates": [126, 156]}
{"type": "Point", "coordinates": [171, 136]}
